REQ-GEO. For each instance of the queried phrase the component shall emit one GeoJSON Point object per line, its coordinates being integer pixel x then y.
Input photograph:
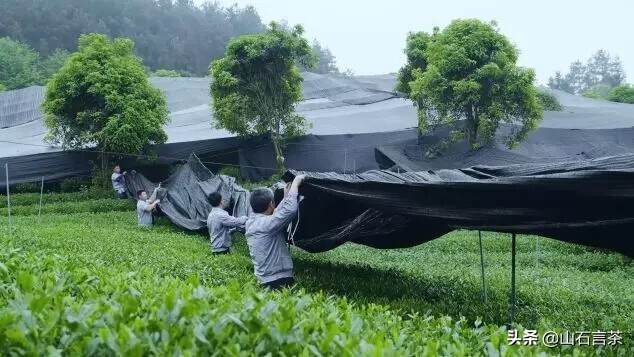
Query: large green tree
{"type": "Point", "coordinates": [466, 77]}
{"type": "Point", "coordinates": [19, 64]}
{"type": "Point", "coordinates": [102, 98]}
{"type": "Point", "coordinates": [256, 84]}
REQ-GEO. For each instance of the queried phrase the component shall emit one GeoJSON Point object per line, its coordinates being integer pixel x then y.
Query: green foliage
{"type": "Point", "coordinates": [468, 71]}
{"type": "Point", "coordinates": [18, 64]}
{"type": "Point", "coordinates": [415, 52]}
{"type": "Point", "coordinates": [599, 91]}
{"type": "Point", "coordinates": [232, 171]}
{"type": "Point", "coordinates": [600, 71]}
{"type": "Point", "coordinates": [97, 284]}
{"type": "Point", "coordinates": [33, 198]}
{"type": "Point", "coordinates": [27, 187]}
{"type": "Point", "coordinates": [326, 63]}
{"type": "Point", "coordinates": [112, 311]}
{"type": "Point", "coordinates": [101, 178]}
{"type": "Point", "coordinates": [166, 73]}
{"type": "Point", "coordinates": [178, 34]}
{"type": "Point", "coordinates": [102, 96]}
{"type": "Point", "coordinates": [256, 84]}
{"type": "Point", "coordinates": [74, 184]}
{"type": "Point", "coordinates": [623, 94]}
{"type": "Point", "coordinates": [92, 206]}
{"type": "Point", "coordinates": [2, 88]}
{"type": "Point", "coordinates": [53, 63]}
{"type": "Point", "coordinates": [548, 101]}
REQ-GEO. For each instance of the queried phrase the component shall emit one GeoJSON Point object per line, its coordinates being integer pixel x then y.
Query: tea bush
{"type": "Point", "coordinates": [94, 206]}
{"type": "Point", "coordinates": [96, 284]}
{"type": "Point", "coordinates": [27, 199]}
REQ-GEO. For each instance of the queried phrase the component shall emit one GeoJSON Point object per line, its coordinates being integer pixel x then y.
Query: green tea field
{"type": "Point", "coordinates": [83, 279]}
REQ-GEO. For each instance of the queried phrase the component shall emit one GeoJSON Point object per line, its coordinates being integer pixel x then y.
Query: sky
{"type": "Point", "coordinates": [369, 36]}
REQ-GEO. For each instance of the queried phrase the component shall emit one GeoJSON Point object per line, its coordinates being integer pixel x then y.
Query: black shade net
{"type": "Point", "coordinates": [584, 202]}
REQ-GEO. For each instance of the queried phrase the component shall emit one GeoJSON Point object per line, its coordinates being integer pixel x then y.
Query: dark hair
{"type": "Point", "coordinates": [116, 165]}
{"type": "Point", "coordinates": [215, 198]}
{"type": "Point", "coordinates": [260, 199]}
{"type": "Point", "coordinates": [139, 192]}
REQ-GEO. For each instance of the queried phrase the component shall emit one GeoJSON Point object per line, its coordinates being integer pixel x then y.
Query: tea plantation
{"type": "Point", "coordinates": [83, 279]}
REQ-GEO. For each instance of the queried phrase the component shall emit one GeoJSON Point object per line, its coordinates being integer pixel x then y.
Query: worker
{"type": "Point", "coordinates": [145, 206]}
{"type": "Point", "coordinates": [272, 263]}
{"type": "Point", "coordinates": [219, 223]}
{"type": "Point", "coordinates": [118, 182]}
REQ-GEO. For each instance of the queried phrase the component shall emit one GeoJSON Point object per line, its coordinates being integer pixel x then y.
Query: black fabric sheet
{"type": "Point", "coordinates": [584, 202]}
{"type": "Point", "coordinates": [348, 153]}
{"type": "Point", "coordinates": [50, 166]}
{"type": "Point", "coordinates": [541, 145]}
{"type": "Point", "coordinates": [184, 194]}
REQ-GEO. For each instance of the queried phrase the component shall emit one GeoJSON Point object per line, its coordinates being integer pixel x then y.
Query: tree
{"type": "Point", "coordinates": [53, 63]}
{"type": "Point", "coordinates": [18, 64]}
{"type": "Point", "coordinates": [2, 88]}
{"type": "Point", "coordinates": [599, 91]}
{"type": "Point", "coordinates": [548, 101]}
{"type": "Point", "coordinates": [166, 73]}
{"type": "Point", "coordinates": [601, 71]}
{"type": "Point", "coordinates": [415, 50]}
{"type": "Point", "coordinates": [623, 94]}
{"type": "Point", "coordinates": [256, 84]}
{"type": "Point", "coordinates": [560, 83]}
{"type": "Point", "coordinates": [467, 74]}
{"type": "Point", "coordinates": [326, 61]}
{"type": "Point", "coordinates": [101, 97]}
{"type": "Point", "coordinates": [175, 34]}
{"type": "Point", "coordinates": [577, 76]}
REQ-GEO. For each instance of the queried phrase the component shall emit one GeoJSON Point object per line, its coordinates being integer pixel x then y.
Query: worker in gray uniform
{"type": "Point", "coordinates": [220, 223]}
{"type": "Point", "coordinates": [271, 258]}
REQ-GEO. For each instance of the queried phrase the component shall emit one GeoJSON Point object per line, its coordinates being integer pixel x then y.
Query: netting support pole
{"type": "Point", "coordinates": [345, 160]}
{"type": "Point", "coordinates": [39, 211]}
{"type": "Point", "coordinates": [6, 171]}
{"type": "Point", "coordinates": [513, 297]}
{"type": "Point", "coordinates": [484, 287]}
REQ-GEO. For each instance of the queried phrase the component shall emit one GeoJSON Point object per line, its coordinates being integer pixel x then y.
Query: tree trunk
{"type": "Point", "coordinates": [277, 146]}
{"type": "Point", "coordinates": [104, 160]}
{"type": "Point", "coordinates": [472, 128]}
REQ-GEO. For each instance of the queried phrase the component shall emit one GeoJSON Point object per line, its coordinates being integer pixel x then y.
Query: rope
{"type": "Point", "coordinates": [292, 235]}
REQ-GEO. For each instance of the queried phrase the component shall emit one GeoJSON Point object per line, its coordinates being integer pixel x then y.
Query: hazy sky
{"type": "Point", "coordinates": [369, 36]}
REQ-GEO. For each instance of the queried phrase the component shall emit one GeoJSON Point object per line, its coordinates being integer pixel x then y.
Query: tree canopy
{"type": "Point", "coordinates": [174, 34]}
{"type": "Point", "coordinates": [623, 94]}
{"type": "Point", "coordinates": [21, 66]}
{"type": "Point", "coordinates": [101, 97]}
{"type": "Point", "coordinates": [596, 77]}
{"type": "Point", "coordinates": [18, 65]}
{"type": "Point", "coordinates": [468, 72]}
{"type": "Point", "coordinates": [256, 84]}
{"type": "Point", "coordinates": [326, 63]}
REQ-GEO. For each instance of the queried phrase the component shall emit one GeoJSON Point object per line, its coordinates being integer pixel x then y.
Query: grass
{"type": "Point", "coordinates": [94, 283]}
